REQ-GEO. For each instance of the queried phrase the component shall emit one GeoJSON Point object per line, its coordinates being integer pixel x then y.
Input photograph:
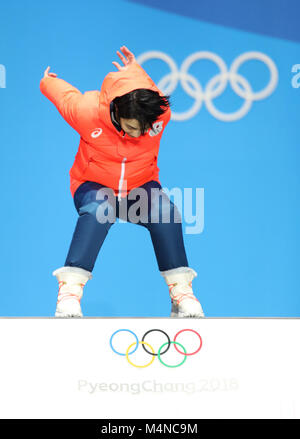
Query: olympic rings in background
{"type": "Point", "coordinates": [206, 94]}
{"type": "Point", "coordinates": [151, 352]}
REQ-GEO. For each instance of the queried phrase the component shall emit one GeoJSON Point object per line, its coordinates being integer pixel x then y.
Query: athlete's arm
{"type": "Point", "coordinates": [64, 96]}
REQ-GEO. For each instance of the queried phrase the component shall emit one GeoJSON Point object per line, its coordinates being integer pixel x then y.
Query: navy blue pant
{"type": "Point", "coordinates": [90, 232]}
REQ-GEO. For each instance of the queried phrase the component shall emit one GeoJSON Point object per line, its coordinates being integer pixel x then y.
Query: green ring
{"type": "Point", "coordinates": [174, 342]}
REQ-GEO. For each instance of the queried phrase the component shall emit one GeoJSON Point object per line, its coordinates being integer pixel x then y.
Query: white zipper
{"type": "Point", "coordinates": [121, 177]}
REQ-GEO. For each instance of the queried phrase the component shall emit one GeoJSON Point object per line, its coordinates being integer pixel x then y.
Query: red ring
{"type": "Point", "coordinates": [192, 330]}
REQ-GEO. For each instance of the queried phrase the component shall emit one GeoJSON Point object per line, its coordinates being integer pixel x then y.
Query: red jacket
{"type": "Point", "coordinates": [106, 155]}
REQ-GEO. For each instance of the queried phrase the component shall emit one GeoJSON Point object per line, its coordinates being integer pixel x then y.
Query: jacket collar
{"type": "Point", "coordinates": [113, 117]}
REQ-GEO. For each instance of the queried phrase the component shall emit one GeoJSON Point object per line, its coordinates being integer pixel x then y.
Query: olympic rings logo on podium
{"type": "Point", "coordinates": [159, 352]}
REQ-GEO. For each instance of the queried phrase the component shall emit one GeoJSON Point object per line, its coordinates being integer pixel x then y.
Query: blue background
{"type": "Point", "coordinates": [247, 256]}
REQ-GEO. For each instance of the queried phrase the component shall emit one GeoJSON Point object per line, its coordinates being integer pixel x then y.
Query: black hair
{"type": "Point", "coordinates": [142, 104]}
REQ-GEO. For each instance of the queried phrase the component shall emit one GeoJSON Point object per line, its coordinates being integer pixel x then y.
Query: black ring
{"type": "Point", "coordinates": [151, 330]}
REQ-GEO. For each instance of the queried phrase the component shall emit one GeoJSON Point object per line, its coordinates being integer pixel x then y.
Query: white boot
{"type": "Point", "coordinates": [71, 281]}
{"type": "Point", "coordinates": [184, 303]}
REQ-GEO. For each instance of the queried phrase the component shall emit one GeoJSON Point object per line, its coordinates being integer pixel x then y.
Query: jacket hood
{"type": "Point", "coordinates": [122, 82]}
{"type": "Point", "coordinates": [119, 83]}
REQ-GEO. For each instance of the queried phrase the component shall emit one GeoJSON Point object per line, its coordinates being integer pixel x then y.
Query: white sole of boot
{"type": "Point", "coordinates": [68, 308]}
{"type": "Point", "coordinates": [66, 314]}
{"type": "Point", "coordinates": [195, 316]}
{"type": "Point", "coordinates": [175, 313]}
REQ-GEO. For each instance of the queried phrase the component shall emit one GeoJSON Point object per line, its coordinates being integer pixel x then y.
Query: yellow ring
{"type": "Point", "coordinates": [135, 365]}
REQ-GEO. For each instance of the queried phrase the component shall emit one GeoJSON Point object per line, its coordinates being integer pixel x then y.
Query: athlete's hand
{"type": "Point", "coordinates": [128, 59]}
{"type": "Point", "coordinates": [47, 74]}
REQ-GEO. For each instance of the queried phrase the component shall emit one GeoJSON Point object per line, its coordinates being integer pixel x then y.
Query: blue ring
{"type": "Point", "coordinates": [128, 330]}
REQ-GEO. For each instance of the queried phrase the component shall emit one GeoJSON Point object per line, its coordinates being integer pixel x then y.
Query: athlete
{"type": "Point", "coordinates": [120, 128]}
